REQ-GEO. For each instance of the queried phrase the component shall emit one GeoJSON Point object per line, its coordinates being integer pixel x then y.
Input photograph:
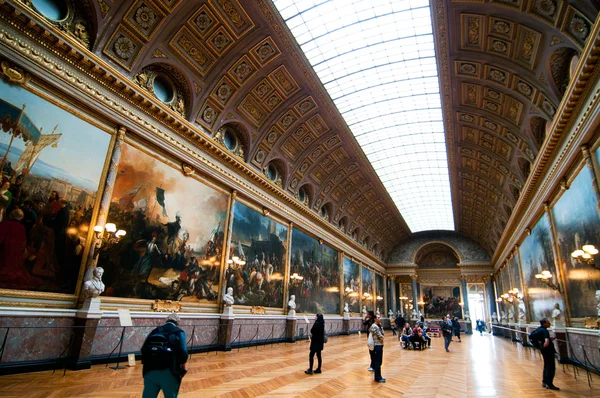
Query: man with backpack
{"type": "Point", "coordinates": [541, 339]}
{"type": "Point", "coordinates": [164, 356]}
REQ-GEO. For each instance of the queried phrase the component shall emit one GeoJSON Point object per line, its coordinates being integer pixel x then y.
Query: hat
{"type": "Point", "coordinates": [174, 318]}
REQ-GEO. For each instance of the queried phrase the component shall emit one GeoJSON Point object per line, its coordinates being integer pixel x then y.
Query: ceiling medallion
{"type": "Point", "coordinates": [546, 7]}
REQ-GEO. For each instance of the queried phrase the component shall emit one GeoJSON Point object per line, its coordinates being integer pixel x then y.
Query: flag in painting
{"type": "Point", "coordinates": [160, 198]}
{"type": "Point", "coordinates": [128, 197]}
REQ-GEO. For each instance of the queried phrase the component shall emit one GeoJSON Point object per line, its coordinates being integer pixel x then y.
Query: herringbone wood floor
{"type": "Point", "coordinates": [478, 367]}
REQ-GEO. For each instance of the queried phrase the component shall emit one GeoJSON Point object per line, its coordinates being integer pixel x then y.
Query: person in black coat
{"type": "Point", "coordinates": [316, 344]}
{"type": "Point", "coordinates": [456, 327]}
{"type": "Point", "coordinates": [367, 323]}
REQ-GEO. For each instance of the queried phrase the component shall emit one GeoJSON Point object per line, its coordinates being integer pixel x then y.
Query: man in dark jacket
{"type": "Point", "coordinates": [542, 340]}
{"type": "Point", "coordinates": [446, 327]}
{"type": "Point", "coordinates": [164, 356]}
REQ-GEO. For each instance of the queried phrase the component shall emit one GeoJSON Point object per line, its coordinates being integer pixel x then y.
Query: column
{"type": "Point", "coordinates": [394, 294]}
{"type": "Point", "coordinates": [465, 294]}
{"type": "Point", "coordinates": [415, 293]}
{"type": "Point", "coordinates": [106, 197]}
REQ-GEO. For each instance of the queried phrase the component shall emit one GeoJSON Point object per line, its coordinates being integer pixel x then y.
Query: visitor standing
{"type": "Point", "coordinates": [542, 340]}
{"type": "Point", "coordinates": [447, 332]}
{"type": "Point", "coordinates": [377, 332]}
{"type": "Point", "coordinates": [317, 341]}
{"type": "Point", "coordinates": [367, 323]}
{"type": "Point", "coordinates": [164, 356]}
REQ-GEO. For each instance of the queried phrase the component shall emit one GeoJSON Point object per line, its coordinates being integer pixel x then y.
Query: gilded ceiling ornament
{"type": "Point", "coordinates": [555, 41]}
{"type": "Point", "coordinates": [104, 7]}
{"type": "Point", "coordinates": [545, 7]}
{"type": "Point", "coordinates": [499, 46]}
{"type": "Point", "coordinates": [468, 69]}
{"type": "Point", "coordinates": [472, 94]}
{"type": "Point", "coordinates": [158, 54]}
{"type": "Point", "coordinates": [528, 45]}
{"type": "Point", "coordinates": [490, 125]}
{"type": "Point", "coordinates": [497, 76]}
{"type": "Point", "coordinates": [178, 106]}
{"type": "Point", "coordinates": [209, 115]}
{"type": "Point", "coordinates": [204, 21]}
{"type": "Point", "coordinates": [467, 118]}
{"type": "Point", "coordinates": [524, 88]}
{"type": "Point", "coordinates": [197, 88]}
{"type": "Point", "coordinates": [265, 51]}
{"type": "Point", "coordinates": [511, 137]}
{"type": "Point", "coordinates": [124, 47]}
{"type": "Point", "coordinates": [242, 71]}
{"type": "Point", "coordinates": [187, 169]}
{"type": "Point", "coordinates": [274, 101]}
{"type": "Point", "coordinates": [230, 10]}
{"type": "Point", "coordinates": [501, 27]}
{"type": "Point", "coordinates": [493, 94]}
{"type": "Point", "coordinates": [260, 156]}
{"type": "Point", "coordinates": [473, 32]}
{"type": "Point", "coordinates": [224, 92]}
{"type": "Point", "coordinates": [491, 106]}
{"type": "Point", "coordinates": [81, 34]}
{"type": "Point", "coordinates": [548, 107]}
{"type": "Point", "coordinates": [220, 41]}
{"type": "Point", "coordinates": [579, 28]}
{"type": "Point", "coordinates": [145, 17]}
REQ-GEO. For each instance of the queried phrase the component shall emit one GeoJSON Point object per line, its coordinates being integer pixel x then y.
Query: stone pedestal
{"type": "Point", "coordinates": [290, 327]}
{"type": "Point", "coordinates": [228, 311]}
{"type": "Point", "coordinates": [346, 323]}
{"type": "Point", "coordinates": [225, 330]}
{"type": "Point", "coordinates": [86, 325]}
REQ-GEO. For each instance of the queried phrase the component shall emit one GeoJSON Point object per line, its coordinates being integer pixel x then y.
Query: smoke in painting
{"type": "Point", "coordinates": [260, 245]}
{"type": "Point", "coordinates": [51, 163]}
{"type": "Point", "coordinates": [319, 290]}
{"type": "Point", "coordinates": [175, 229]}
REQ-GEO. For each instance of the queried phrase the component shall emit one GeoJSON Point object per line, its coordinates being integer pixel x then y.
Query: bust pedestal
{"type": "Point", "coordinates": [87, 320]}
{"type": "Point", "coordinates": [228, 311]}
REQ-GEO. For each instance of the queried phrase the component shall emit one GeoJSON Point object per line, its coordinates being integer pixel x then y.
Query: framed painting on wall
{"type": "Point", "coordinates": [175, 228]}
{"type": "Point", "coordinates": [260, 244]}
{"type": "Point", "coordinates": [441, 301]}
{"type": "Point", "coordinates": [367, 284]}
{"type": "Point", "coordinates": [319, 290]}
{"type": "Point", "coordinates": [379, 295]}
{"type": "Point", "coordinates": [578, 223]}
{"type": "Point", "coordinates": [537, 256]}
{"type": "Point", "coordinates": [351, 285]}
{"type": "Point", "coordinates": [52, 165]}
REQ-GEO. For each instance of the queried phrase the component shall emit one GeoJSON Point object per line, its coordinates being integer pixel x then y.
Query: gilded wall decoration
{"type": "Point", "coordinates": [180, 91]}
{"type": "Point", "coordinates": [173, 246]}
{"type": "Point", "coordinates": [265, 51]}
{"type": "Point", "coordinates": [472, 26]}
{"type": "Point", "coordinates": [496, 75]}
{"type": "Point", "coordinates": [318, 264]}
{"type": "Point", "coordinates": [123, 47]}
{"type": "Point", "coordinates": [524, 88]}
{"type": "Point", "coordinates": [253, 110]}
{"type": "Point", "coordinates": [273, 101]}
{"type": "Point", "coordinates": [499, 47]}
{"type": "Point", "coordinates": [305, 105]}
{"type": "Point", "coordinates": [158, 54]}
{"type": "Point", "coordinates": [546, 106]}
{"type": "Point", "coordinates": [287, 120]}
{"type": "Point", "coordinates": [53, 167]}
{"type": "Point", "coordinates": [547, 10]}
{"type": "Point", "coordinates": [263, 89]}
{"type": "Point", "coordinates": [262, 244]}
{"type": "Point", "coordinates": [208, 115]}
{"type": "Point", "coordinates": [501, 27]}
{"type": "Point", "coordinates": [192, 51]}
{"type": "Point", "coordinates": [235, 16]}
{"type": "Point", "coordinates": [468, 69]}
{"type": "Point", "coordinates": [144, 18]}
{"type": "Point", "coordinates": [527, 44]}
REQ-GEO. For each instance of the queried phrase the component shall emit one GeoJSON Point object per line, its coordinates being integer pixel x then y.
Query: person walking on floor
{"type": "Point", "coordinates": [447, 332]}
{"type": "Point", "coordinates": [164, 356]}
{"type": "Point", "coordinates": [542, 340]}
{"type": "Point", "coordinates": [377, 331]}
{"type": "Point", "coordinates": [316, 344]}
{"type": "Point", "coordinates": [456, 327]}
{"type": "Point", "coordinates": [367, 323]}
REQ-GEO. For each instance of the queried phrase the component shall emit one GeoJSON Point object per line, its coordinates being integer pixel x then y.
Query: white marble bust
{"type": "Point", "coordinates": [557, 313]}
{"type": "Point", "coordinates": [346, 308]}
{"type": "Point", "coordinates": [364, 311]}
{"type": "Point", "coordinates": [413, 315]}
{"type": "Point", "coordinates": [511, 313]}
{"type": "Point", "coordinates": [378, 313]}
{"type": "Point", "coordinates": [502, 315]}
{"type": "Point", "coordinates": [467, 316]}
{"type": "Point", "coordinates": [94, 287]}
{"type": "Point", "coordinates": [494, 317]}
{"type": "Point", "coordinates": [598, 298]}
{"type": "Point", "coordinates": [390, 314]}
{"type": "Point", "coordinates": [292, 302]}
{"type": "Point", "coordinates": [228, 297]}
{"type": "Point", "coordinates": [522, 312]}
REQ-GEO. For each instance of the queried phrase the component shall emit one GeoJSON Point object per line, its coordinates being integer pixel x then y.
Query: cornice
{"type": "Point", "coordinates": [579, 109]}
{"type": "Point", "coordinates": [49, 52]}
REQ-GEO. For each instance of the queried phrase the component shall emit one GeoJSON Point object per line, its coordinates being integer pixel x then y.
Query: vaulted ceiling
{"type": "Point", "coordinates": [503, 65]}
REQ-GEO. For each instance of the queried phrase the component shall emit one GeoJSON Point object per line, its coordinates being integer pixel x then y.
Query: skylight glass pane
{"type": "Point", "coordinates": [376, 59]}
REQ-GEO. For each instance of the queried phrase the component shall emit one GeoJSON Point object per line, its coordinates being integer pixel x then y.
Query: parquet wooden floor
{"type": "Point", "coordinates": [480, 366]}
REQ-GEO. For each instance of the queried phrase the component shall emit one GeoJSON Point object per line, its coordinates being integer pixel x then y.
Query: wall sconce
{"type": "Point", "coordinates": [296, 278]}
{"type": "Point", "coordinates": [546, 278]}
{"type": "Point", "coordinates": [236, 260]}
{"type": "Point", "coordinates": [367, 296]}
{"type": "Point", "coordinates": [107, 234]}
{"type": "Point", "coordinates": [514, 293]}
{"type": "Point", "coordinates": [585, 255]}
{"type": "Point", "coordinates": [379, 298]}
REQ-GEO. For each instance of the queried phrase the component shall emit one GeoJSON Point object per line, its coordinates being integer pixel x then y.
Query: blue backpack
{"type": "Point", "coordinates": [157, 350]}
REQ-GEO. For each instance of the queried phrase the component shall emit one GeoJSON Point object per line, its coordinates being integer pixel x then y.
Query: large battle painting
{"type": "Point", "coordinates": [515, 273]}
{"type": "Point", "coordinates": [351, 285]}
{"type": "Point", "coordinates": [441, 300]}
{"type": "Point", "coordinates": [577, 223]}
{"type": "Point", "coordinates": [536, 256]}
{"type": "Point", "coordinates": [367, 282]}
{"type": "Point", "coordinates": [260, 245]}
{"type": "Point", "coordinates": [52, 164]}
{"type": "Point", "coordinates": [175, 228]}
{"type": "Point", "coordinates": [379, 295]}
{"type": "Point", "coordinates": [319, 290]}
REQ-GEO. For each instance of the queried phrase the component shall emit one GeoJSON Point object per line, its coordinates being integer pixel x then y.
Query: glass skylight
{"type": "Point", "coordinates": [376, 59]}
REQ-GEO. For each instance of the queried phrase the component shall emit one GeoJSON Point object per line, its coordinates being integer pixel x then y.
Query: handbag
{"type": "Point", "coordinates": [325, 338]}
{"type": "Point", "coordinates": [370, 342]}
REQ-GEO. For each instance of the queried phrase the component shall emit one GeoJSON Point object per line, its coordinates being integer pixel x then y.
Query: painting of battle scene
{"type": "Point", "coordinates": [367, 298]}
{"type": "Point", "coordinates": [352, 285]}
{"type": "Point", "coordinates": [577, 223]}
{"type": "Point", "coordinates": [175, 229]}
{"type": "Point", "coordinates": [406, 291]}
{"type": "Point", "coordinates": [260, 245]}
{"type": "Point", "coordinates": [52, 164]}
{"type": "Point", "coordinates": [516, 283]}
{"type": "Point", "coordinates": [379, 298]}
{"type": "Point", "coordinates": [499, 290]}
{"type": "Point", "coordinates": [536, 256]}
{"type": "Point", "coordinates": [319, 290]}
{"type": "Point", "coordinates": [507, 285]}
{"type": "Point", "coordinates": [441, 300]}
